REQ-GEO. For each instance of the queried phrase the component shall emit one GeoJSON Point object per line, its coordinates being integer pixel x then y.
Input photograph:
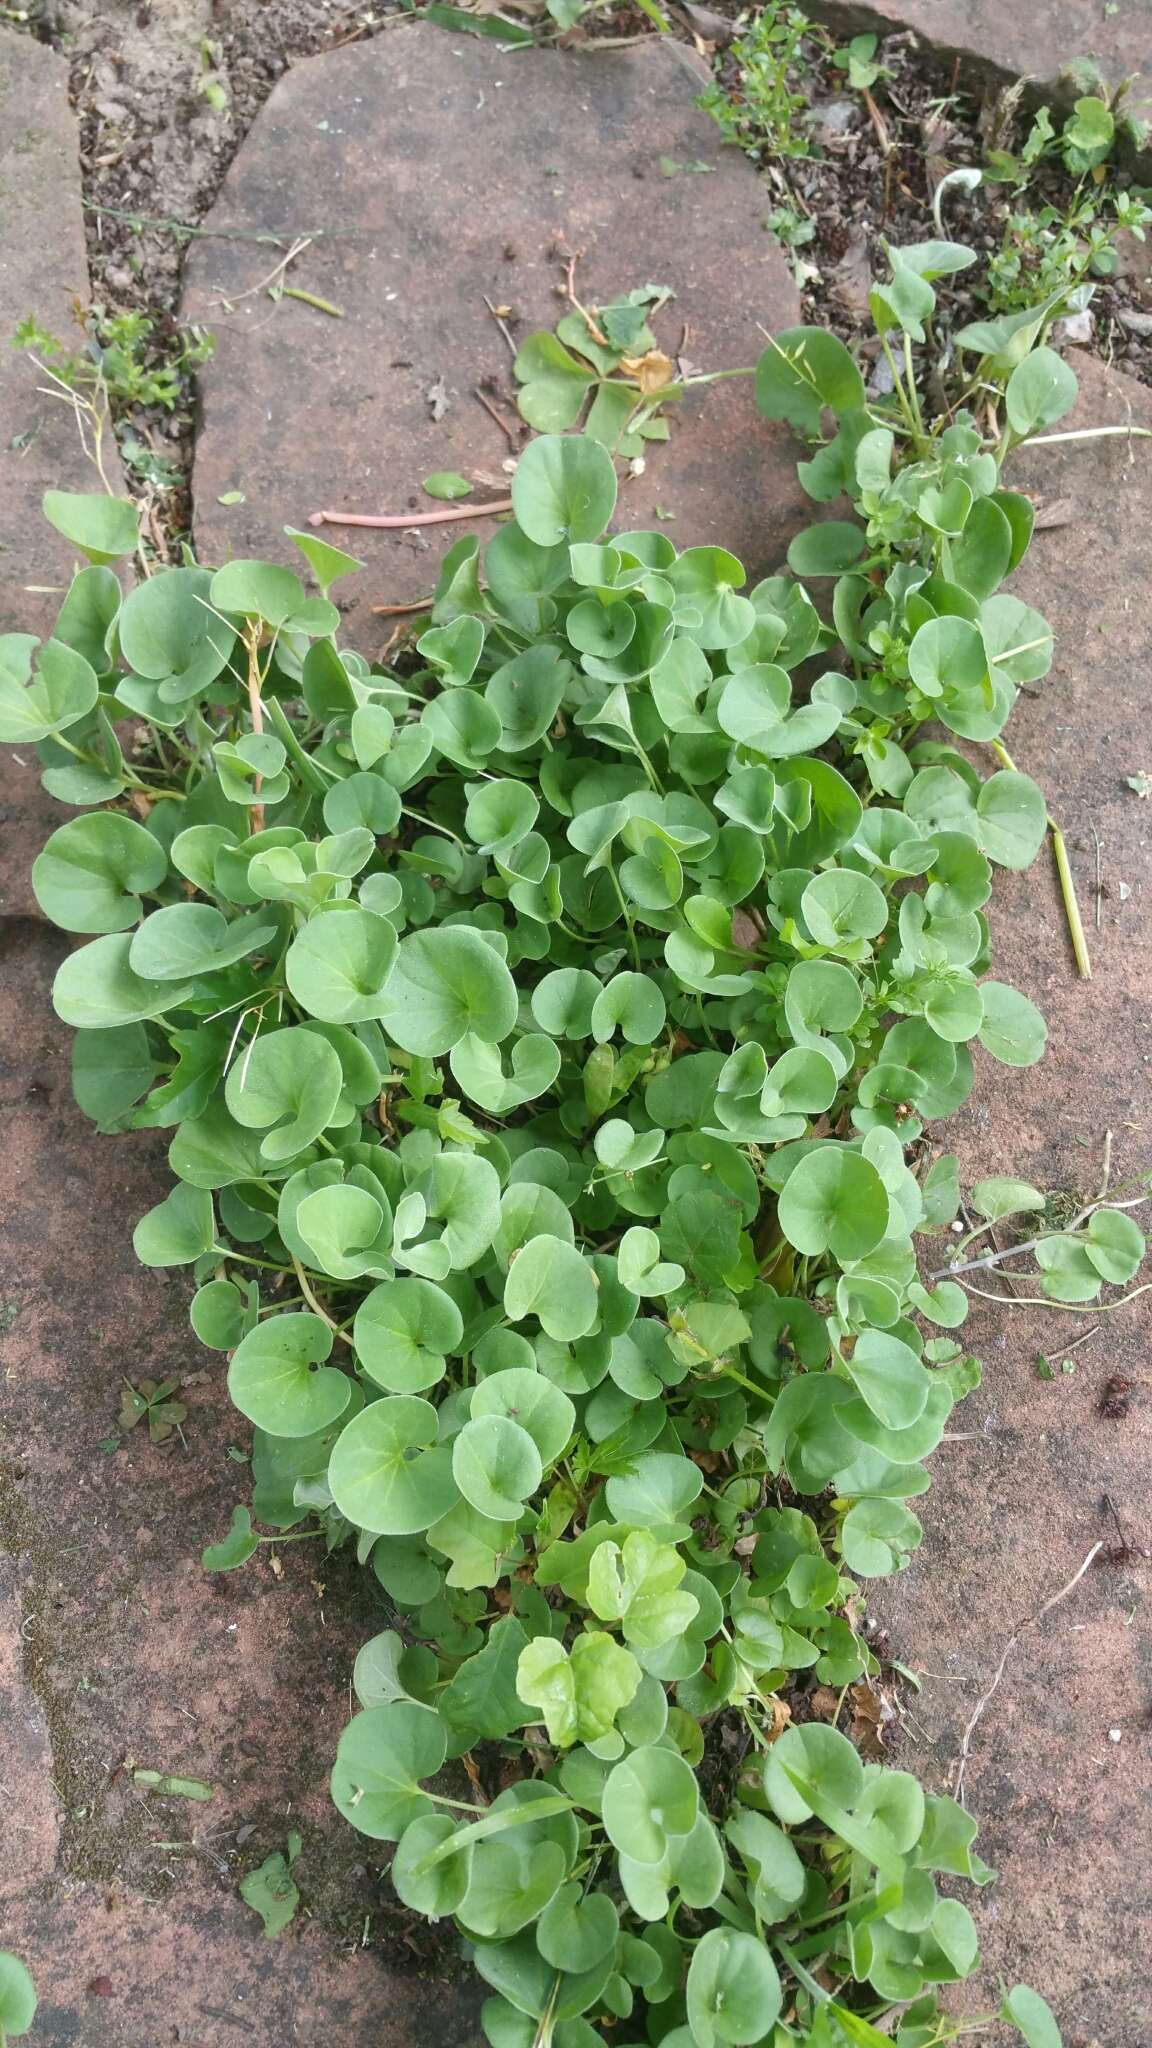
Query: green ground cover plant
{"type": "Point", "coordinates": [547, 1026]}
{"type": "Point", "coordinates": [1064, 230]}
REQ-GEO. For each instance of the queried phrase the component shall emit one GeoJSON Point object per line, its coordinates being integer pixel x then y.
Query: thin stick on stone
{"type": "Point", "coordinates": [405, 519]}
{"type": "Point", "coordinates": [1033, 1620]}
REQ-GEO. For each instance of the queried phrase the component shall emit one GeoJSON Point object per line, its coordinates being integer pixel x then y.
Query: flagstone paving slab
{"type": "Point", "coordinates": [450, 172]}
{"type": "Point", "coordinates": [1061, 1764]}
{"type": "Point", "coordinates": [43, 271]}
{"type": "Point", "coordinates": [1044, 42]}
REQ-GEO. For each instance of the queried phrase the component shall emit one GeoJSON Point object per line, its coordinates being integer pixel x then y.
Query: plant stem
{"type": "Point", "coordinates": [310, 1298]}
{"type": "Point", "coordinates": [255, 706]}
{"type": "Point", "coordinates": [1087, 434]}
{"type": "Point", "coordinates": [1064, 875]}
{"type": "Point", "coordinates": [1071, 905]}
{"type": "Point", "coordinates": [1015, 1251]}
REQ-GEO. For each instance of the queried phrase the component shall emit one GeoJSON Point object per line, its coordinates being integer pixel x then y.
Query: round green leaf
{"type": "Point", "coordinates": [1032, 2016]}
{"type": "Point", "coordinates": [261, 590]}
{"type": "Point", "coordinates": [499, 814]}
{"type": "Point", "coordinates": [530, 1400]}
{"type": "Point", "coordinates": [1012, 1030]}
{"type": "Point", "coordinates": [363, 800]}
{"type": "Point", "coordinates": [734, 1991]}
{"type": "Point", "coordinates": [381, 1759]}
{"type": "Point", "coordinates": [657, 1492]}
{"type": "Point", "coordinates": [217, 1315]}
{"type": "Point", "coordinates": [1040, 391]}
{"type": "Point", "coordinates": [100, 526]}
{"type": "Point", "coordinates": [347, 1229]}
{"type": "Point", "coordinates": [438, 1891]}
{"type": "Point", "coordinates": [88, 875]}
{"type": "Point", "coordinates": [802, 371]}
{"type": "Point", "coordinates": [890, 1378]}
{"type": "Point", "coordinates": [564, 489]}
{"type": "Point", "coordinates": [170, 635]}
{"type": "Point", "coordinates": [576, 1928]}
{"type": "Point", "coordinates": [382, 1473]}
{"type": "Point", "coordinates": [278, 1378]}
{"type": "Point", "coordinates": [826, 549]}
{"type": "Point", "coordinates": [817, 1756]}
{"type": "Point", "coordinates": [631, 1003]}
{"type": "Point", "coordinates": [947, 654]}
{"type": "Point", "coordinates": [96, 989]}
{"type": "Point", "coordinates": [562, 1003]}
{"type": "Point", "coordinates": [446, 982]}
{"type": "Point", "coordinates": [1012, 818]}
{"type": "Point", "coordinates": [496, 1465]}
{"type": "Point", "coordinates": [178, 1231]}
{"type": "Point", "coordinates": [17, 1991]}
{"type": "Point", "coordinates": [338, 967]}
{"type": "Point", "coordinates": [287, 1084]}
{"type": "Point", "coordinates": [878, 1536]}
{"type": "Point", "coordinates": [551, 1280]}
{"type": "Point", "coordinates": [403, 1333]}
{"type": "Point", "coordinates": [840, 904]}
{"type": "Point", "coordinates": [649, 1798]}
{"type": "Point", "coordinates": [834, 1201]}
{"type": "Point", "coordinates": [184, 940]}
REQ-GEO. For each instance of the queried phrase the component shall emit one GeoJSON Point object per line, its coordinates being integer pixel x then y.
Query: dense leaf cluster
{"type": "Point", "coordinates": [546, 1030]}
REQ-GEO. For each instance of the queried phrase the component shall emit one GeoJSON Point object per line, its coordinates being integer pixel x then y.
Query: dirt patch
{"type": "Point", "coordinates": [879, 161]}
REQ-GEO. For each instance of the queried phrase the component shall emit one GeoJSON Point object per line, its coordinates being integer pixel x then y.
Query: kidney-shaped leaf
{"type": "Point", "coordinates": [834, 1201]}
{"type": "Point", "coordinates": [564, 489]}
{"type": "Point", "coordinates": [88, 874]}
{"type": "Point", "coordinates": [551, 1280]}
{"type": "Point", "coordinates": [649, 1798]}
{"type": "Point", "coordinates": [447, 981]}
{"type": "Point", "coordinates": [339, 965]}
{"type": "Point", "coordinates": [382, 1473]}
{"type": "Point", "coordinates": [288, 1085]}
{"type": "Point", "coordinates": [403, 1333]}
{"type": "Point", "coordinates": [278, 1378]}
{"type": "Point", "coordinates": [382, 1758]}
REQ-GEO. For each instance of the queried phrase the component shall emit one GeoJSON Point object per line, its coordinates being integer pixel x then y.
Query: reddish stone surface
{"type": "Point", "coordinates": [1017, 1505]}
{"type": "Point", "coordinates": [1041, 42]}
{"type": "Point", "coordinates": [43, 271]}
{"type": "Point", "coordinates": [451, 172]}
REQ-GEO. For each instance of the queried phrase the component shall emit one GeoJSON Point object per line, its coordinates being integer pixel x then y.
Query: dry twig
{"type": "Point", "coordinates": [961, 1764]}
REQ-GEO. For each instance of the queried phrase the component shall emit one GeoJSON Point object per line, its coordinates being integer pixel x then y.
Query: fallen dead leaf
{"type": "Point", "coordinates": [652, 372]}
{"type": "Point", "coordinates": [871, 1714]}
{"type": "Point", "coordinates": [781, 1716]}
{"type": "Point", "coordinates": [824, 1703]}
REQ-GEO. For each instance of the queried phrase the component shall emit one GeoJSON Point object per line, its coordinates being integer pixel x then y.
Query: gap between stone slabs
{"type": "Point", "coordinates": [1047, 43]}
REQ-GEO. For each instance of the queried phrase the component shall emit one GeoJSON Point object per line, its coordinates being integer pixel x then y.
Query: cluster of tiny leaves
{"type": "Point", "coordinates": [546, 1028]}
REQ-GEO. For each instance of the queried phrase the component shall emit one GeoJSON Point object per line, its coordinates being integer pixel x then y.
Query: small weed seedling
{"type": "Point", "coordinates": [1054, 240]}
{"type": "Point", "coordinates": [271, 1890]}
